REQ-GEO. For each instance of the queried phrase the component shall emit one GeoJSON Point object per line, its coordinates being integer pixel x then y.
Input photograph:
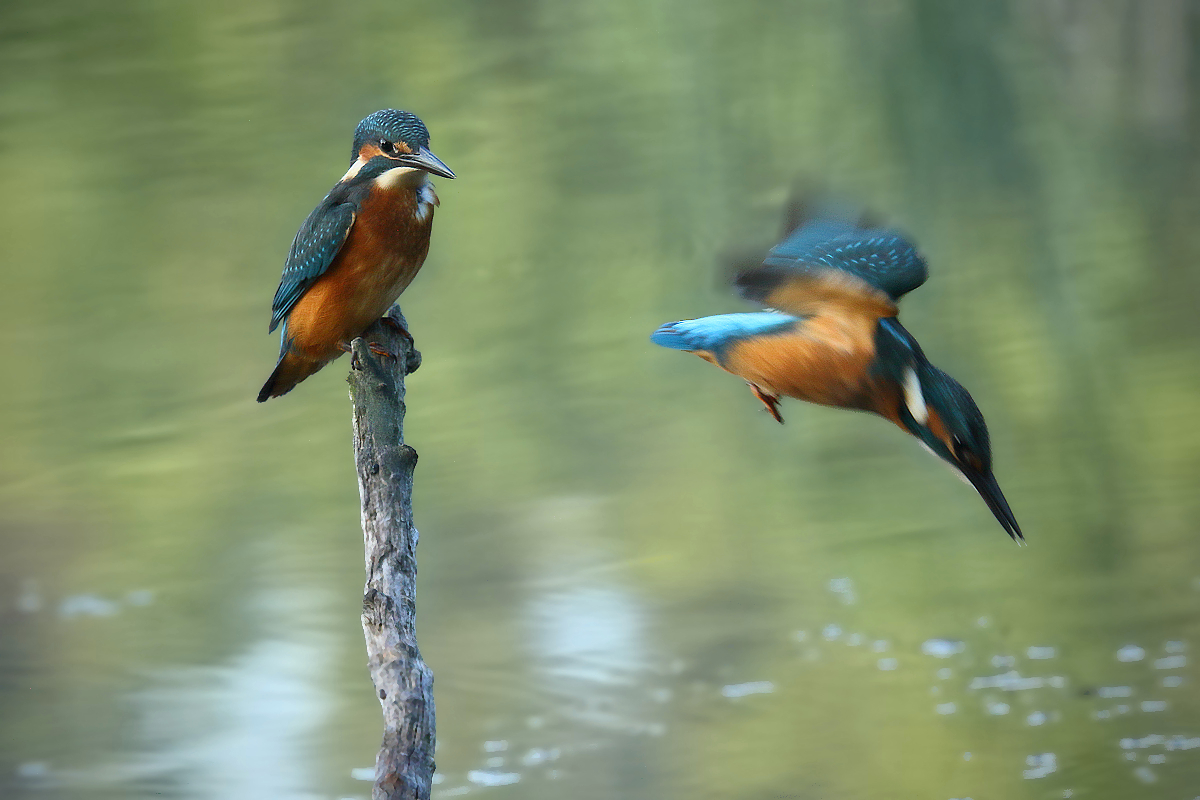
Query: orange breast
{"type": "Point", "coordinates": [384, 251]}
{"type": "Point", "coordinates": [827, 362]}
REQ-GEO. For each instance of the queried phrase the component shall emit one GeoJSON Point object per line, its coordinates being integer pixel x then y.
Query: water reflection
{"type": "Point", "coordinates": [633, 584]}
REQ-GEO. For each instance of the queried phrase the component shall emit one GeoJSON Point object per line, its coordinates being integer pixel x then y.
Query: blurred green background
{"type": "Point", "coordinates": [633, 584]}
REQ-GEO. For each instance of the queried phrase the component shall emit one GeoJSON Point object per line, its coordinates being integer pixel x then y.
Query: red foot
{"type": "Point", "coordinates": [380, 350]}
{"type": "Point", "coordinates": [395, 325]}
{"type": "Point", "coordinates": [768, 400]}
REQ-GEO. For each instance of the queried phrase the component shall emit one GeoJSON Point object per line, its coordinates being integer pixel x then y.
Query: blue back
{"type": "Point", "coordinates": [715, 333]}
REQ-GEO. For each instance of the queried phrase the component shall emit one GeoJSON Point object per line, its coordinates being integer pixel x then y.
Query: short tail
{"type": "Point", "coordinates": [713, 333]}
{"type": "Point", "coordinates": [673, 335]}
{"type": "Point", "coordinates": [290, 370]}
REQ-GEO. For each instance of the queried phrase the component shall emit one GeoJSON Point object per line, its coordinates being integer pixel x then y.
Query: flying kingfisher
{"type": "Point", "coordinates": [358, 249]}
{"type": "Point", "coordinates": [830, 336]}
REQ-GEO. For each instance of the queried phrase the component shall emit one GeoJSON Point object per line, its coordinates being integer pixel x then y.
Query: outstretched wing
{"type": "Point", "coordinates": [316, 245]}
{"type": "Point", "coordinates": [832, 260]}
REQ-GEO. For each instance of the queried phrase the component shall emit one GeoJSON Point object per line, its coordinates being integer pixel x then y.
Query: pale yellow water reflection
{"type": "Point", "coordinates": [634, 584]}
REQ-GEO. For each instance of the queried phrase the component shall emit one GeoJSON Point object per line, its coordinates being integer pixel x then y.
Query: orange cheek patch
{"type": "Point", "coordinates": [369, 151]}
{"type": "Point", "coordinates": [938, 428]}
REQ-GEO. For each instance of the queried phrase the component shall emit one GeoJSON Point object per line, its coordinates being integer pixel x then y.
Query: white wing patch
{"type": "Point", "coordinates": [426, 200]}
{"type": "Point", "coordinates": [913, 398]}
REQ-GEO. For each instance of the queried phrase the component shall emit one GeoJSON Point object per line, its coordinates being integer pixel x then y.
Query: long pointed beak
{"type": "Point", "coordinates": [989, 490]}
{"type": "Point", "coordinates": [423, 159]}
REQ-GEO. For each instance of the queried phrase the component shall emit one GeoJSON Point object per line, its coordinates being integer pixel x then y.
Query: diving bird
{"type": "Point", "coordinates": [830, 335]}
{"type": "Point", "coordinates": [358, 249]}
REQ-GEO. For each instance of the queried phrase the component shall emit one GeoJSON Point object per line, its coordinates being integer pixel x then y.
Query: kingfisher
{"type": "Point", "coordinates": [358, 250]}
{"type": "Point", "coordinates": [830, 335]}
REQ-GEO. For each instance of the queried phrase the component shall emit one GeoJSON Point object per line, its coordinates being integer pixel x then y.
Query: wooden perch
{"type": "Point", "coordinates": [403, 683]}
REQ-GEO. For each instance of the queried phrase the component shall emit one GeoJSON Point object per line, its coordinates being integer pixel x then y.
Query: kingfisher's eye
{"type": "Point", "coordinates": [964, 455]}
{"type": "Point", "coordinates": [387, 147]}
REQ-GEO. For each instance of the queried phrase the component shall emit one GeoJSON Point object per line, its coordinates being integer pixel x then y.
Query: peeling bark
{"type": "Point", "coordinates": [403, 683]}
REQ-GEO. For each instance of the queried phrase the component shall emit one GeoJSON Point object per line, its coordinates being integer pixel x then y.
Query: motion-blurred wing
{"type": "Point", "coordinates": [833, 260]}
{"type": "Point", "coordinates": [316, 245]}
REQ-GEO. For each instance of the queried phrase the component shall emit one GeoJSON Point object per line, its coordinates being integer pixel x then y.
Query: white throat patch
{"type": "Point", "coordinates": [393, 176]}
{"type": "Point", "coordinates": [913, 398]}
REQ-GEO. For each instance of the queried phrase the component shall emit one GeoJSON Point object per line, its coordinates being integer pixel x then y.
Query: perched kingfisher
{"type": "Point", "coordinates": [830, 336]}
{"type": "Point", "coordinates": [358, 250]}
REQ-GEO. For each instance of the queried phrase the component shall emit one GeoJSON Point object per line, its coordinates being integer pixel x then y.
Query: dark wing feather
{"type": "Point", "coordinates": [832, 259]}
{"type": "Point", "coordinates": [316, 245]}
{"type": "Point", "coordinates": [882, 258]}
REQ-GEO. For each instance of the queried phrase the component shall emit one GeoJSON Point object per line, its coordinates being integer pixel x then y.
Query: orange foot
{"type": "Point", "coordinates": [374, 347]}
{"type": "Point", "coordinates": [380, 350]}
{"type": "Point", "coordinates": [768, 400]}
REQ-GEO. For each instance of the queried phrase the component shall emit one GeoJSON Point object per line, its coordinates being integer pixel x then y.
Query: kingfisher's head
{"type": "Point", "coordinates": [394, 142]}
{"type": "Point", "coordinates": [941, 413]}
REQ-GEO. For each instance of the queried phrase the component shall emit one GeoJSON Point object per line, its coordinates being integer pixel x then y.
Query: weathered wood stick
{"type": "Point", "coordinates": [403, 683]}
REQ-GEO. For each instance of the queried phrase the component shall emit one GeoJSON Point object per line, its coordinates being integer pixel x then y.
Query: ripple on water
{"type": "Point", "coordinates": [86, 605]}
{"type": "Point", "coordinates": [735, 690]}
{"type": "Point", "coordinates": [844, 589]}
{"type": "Point", "coordinates": [1130, 652]}
{"type": "Point", "coordinates": [1170, 662]}
{"type": "Point", "coordinates": [481, 777]}
{"type": "Point", "coordinates": [942, 648]}
{"type": "Point", "coordinates": [33, 770]}
{"type": "Point", "coordinates": [1040, 765]}
{"type": "Point", "coordinates": [1012, 681]}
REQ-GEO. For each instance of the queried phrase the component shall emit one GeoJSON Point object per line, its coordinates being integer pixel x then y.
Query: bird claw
{"type": "Point", "coordinates": [398, 327]}
{"type": "Point", "coordinates": [380, 350]}
{"type": "Point", "coordinates": [346, 348]}
{"type": "Point", "coordinates": [374, 347]}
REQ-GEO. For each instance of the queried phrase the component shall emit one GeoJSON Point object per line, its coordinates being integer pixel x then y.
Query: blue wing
{"type": "Point", "coordinates": [316, 245]}
{"type": "Point", "coordinates": [713, 334]}
{"type": "Point", "coordinates": [833, 258]}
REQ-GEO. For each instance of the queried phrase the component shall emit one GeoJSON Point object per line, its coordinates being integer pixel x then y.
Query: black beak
{"type": "Point", "coordinates": [989, 490]}
{"type": "Point", "coordinates": [423, 159]}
